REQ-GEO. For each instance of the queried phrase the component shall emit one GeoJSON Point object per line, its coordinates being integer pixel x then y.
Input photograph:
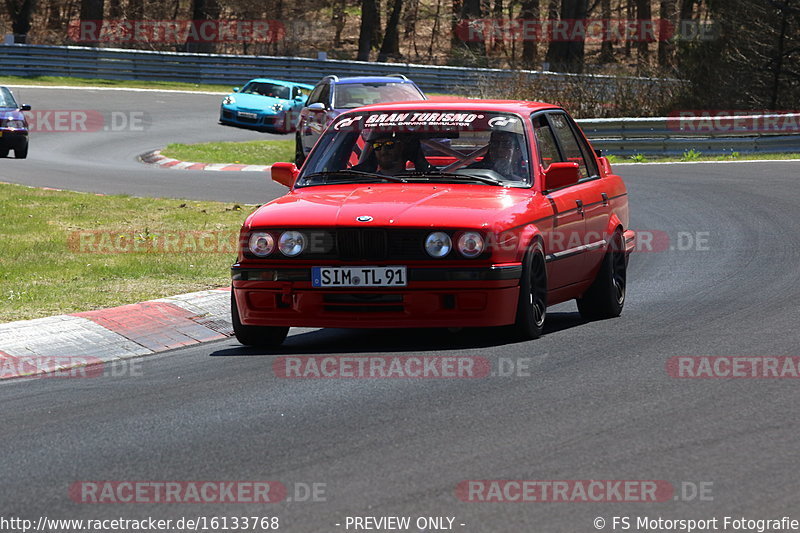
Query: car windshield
{"type": "Point", "coordinates": [6, 98]}
{"type": "Point", "coordinates": [352, 95]}
{"type": "Point", "coordinates": [452, 146]}
{"type": "Point", "coordinates": [266, 89]}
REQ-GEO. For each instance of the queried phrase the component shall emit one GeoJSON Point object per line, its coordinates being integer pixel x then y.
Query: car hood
{"type": "Point", "coordinates": [256, 101]}
{"type": "Point", "coordinates": [398, 205]}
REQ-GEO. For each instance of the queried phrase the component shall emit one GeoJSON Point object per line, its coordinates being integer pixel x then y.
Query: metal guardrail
{"type": "Point", "coordinates": [707, 134]}
{"type": "Point", "coordinates": [112, 63]}
{"type": "Point", "coordinates": [629, 136]}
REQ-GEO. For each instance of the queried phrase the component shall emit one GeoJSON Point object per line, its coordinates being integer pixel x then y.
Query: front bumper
{"type": "Point", "coordinates": [468, 297]}
{"type": "Point", "coordinates": [271, 121]}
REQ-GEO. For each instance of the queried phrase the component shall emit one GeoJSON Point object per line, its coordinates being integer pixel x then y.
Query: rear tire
{"type": "Point", "coordinates": [532, 302]}
{"type": "Point", "coordinates": [259, 336]}
{"type": "Point", "coordinates": [299, 156]}
{"type": "Point", "coordinates": [3, 152]}
{"type": "Point", "coordinates": [21, 152]}
{"type": "Point", "coordinates": [606, 296]}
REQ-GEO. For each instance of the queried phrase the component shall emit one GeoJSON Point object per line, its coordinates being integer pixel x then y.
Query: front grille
{"type": "Point", "coordinates": [362, 244]}
{"type": "Point", "coordinates": [247, 120]}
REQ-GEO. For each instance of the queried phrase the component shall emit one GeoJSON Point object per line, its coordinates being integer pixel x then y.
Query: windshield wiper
{"type": "Point", "coordinates": [451, 176]}
{"type": "Point", "coordinates": [345, 173]}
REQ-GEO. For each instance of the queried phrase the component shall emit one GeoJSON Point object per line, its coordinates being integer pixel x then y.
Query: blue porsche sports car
{"type": "Point", "coordinates": [264, 104]}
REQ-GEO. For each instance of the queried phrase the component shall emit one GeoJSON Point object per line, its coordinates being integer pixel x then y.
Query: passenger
{"type": "Point", "coordinates": [504, 156]}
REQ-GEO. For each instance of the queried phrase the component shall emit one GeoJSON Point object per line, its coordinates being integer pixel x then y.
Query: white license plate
{"type": "Point", "coordinates": [389, 276]}
{"type": "Point", "coordinates": [247, 115]}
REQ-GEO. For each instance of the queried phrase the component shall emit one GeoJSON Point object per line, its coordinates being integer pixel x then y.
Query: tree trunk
{"type": "Point", "coordinates": [643, 14]}
{"type": "Point", "coordinates": [530, 48]}
{"type": "Point", "coordinates": [568, 54]}
{"type": "Point", "coordinates": [669, 25]}
{"type": "Point", "coordinates": [607, 46]}
{"type": "Point", "coordinates": [338, 20]}
{"type": "Point", "coordinates": [391, 41]}
{"type": "Point", "coordinates": [92, 10]}
{"type": "Point", "coordinates": [369, 19]}
{"type": "Point", "coordinates": [20, 13]}
{"type": "Point", "coordinates": [202, 10]}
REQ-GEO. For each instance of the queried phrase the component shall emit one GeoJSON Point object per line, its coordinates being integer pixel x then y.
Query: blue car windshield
{"type": "Point", "coordinates": [7, 99]}
{"type": "Point", "coordinates": [267, 89]}
{"type": "Point", "coordinates": [352, 95]}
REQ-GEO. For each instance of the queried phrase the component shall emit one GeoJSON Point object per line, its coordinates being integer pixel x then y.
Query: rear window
{"type": "Point", "coordinates": [352, 95]}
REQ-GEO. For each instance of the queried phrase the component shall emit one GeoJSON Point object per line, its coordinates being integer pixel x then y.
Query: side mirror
{"type": "Point", "coordinates": [24, 107]}
{"type": "Point", "coordinates": [236, 89]}
{"type": "Point", "coordinates": [317, 106]}
{"type": "Point", "coordinates": [560, 175]}
{"type": "Point", "coordinates": [284, 173]}
{"type": "Point", "coordinates": [605, 165]}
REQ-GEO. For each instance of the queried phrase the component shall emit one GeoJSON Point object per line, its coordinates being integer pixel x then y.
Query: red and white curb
{"type": "Point", "coordinates": [31, 347]}
{"type": "Point", "coordinates": [155, 158]}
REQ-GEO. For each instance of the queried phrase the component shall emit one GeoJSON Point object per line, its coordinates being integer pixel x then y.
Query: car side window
{"type": "Point", "coordinates": [568, 142]}
{"type": "Point", "coordinates": [325, 95]}
{"type": "Point", "coordinates": [545, 142]}
{"type": "Point", "coordinates": [315, 94]}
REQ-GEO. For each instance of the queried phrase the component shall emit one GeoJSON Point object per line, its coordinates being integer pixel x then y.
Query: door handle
{"type": "Point", "coordinates": [580, 206]}
{"type": "Point", "coordinates": [605, 199]}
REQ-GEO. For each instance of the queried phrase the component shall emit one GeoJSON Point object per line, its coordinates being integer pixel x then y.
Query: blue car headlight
{"type": "Point", "coordinates": [228, 100]}
{"type": "Point", "coordinates": [277, 107]}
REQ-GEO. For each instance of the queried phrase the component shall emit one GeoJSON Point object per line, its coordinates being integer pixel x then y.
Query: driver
{"type": "Point", "coordinates": [392, 151]}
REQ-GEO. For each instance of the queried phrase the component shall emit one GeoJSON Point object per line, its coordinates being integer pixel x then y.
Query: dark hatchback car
{"type": "Point", "coordinates": [13, 125]}
{"type": "Point", "coordinates": [332, 96]}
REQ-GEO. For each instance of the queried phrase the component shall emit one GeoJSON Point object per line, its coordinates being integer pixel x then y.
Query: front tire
{"type": "Point", "coordinates": [532, 302]}
{"type": "Point", "coordinates": [259, 336]}
{"type": "Point", "coordinates": [606, 296]}
{"type": "Point", "coordinates": [21, 152]}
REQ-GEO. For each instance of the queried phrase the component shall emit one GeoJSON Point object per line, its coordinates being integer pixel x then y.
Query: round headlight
{"type": "Point", "coordinates": [438, 244]}
{"type": "Point", "coordinates": [261, 244]}
{"type": "Point", "coordinates": [471, 244]}
{"type": "Point", "coordinates": [228, 100]}
{"type": "Point", "coordinates": [291, 243]}
{"type": "Point", "coordinates": [277, 107]}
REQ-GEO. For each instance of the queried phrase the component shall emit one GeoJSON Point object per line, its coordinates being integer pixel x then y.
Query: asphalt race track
{"type": "Point", "coordinates": [595, 401]}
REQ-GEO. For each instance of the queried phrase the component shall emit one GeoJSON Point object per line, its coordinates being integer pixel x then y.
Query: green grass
{"type": "Point", "coordinates": [698, 156]}
{"type": "Point", "coordinates": [91, 82]}
{"type": "Point", "coordinates": [246, 153]}
{"type": "Point", "coordinates": [46, 268]}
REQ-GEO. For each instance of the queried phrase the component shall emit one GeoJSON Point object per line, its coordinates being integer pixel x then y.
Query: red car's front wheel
{"type": "Point", "coordinates": [260, 336]}
{"type": "Point", "coordinates": [532, 303]}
